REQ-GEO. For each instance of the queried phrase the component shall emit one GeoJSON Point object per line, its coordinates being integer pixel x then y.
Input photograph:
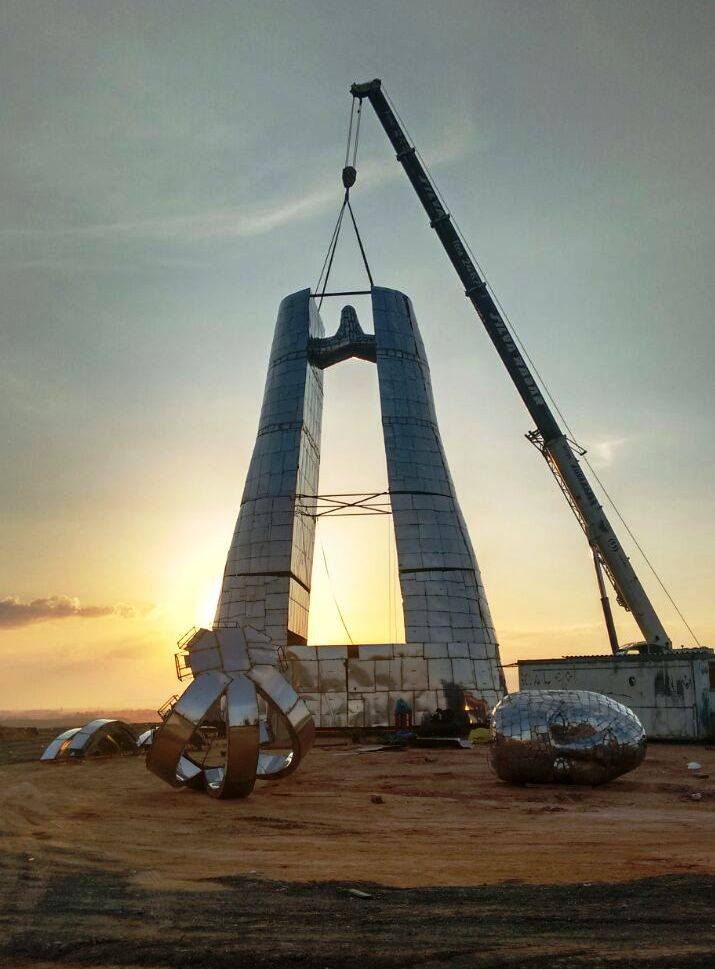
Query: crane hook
{"type": "Point", "coordinates": [349, 177]}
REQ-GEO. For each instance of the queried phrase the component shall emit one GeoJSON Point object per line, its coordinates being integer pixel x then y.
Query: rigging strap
{"type": "Point", "coordinates": [349, 176]}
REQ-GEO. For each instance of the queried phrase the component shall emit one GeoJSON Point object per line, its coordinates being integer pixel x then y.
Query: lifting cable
{"type": "Point", "coordinates": [332, 592]}
{"type": "Point", "coordinates": [349, 176]}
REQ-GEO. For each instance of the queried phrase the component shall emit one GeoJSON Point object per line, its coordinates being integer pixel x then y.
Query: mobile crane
{"type": "Point", "coordinates": [560, 453]}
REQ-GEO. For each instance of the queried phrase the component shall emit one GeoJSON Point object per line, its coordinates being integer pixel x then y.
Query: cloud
{"type": "Point", "coordinates": [605, 452]}
{"type": "Point", "coordinates": [457, 142]}
{"type": "Point", "coordinates": [14, 614]}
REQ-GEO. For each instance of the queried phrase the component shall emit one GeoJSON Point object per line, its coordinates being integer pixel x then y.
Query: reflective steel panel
{"type": "Point", "coordinates": [237, 775]}
{"type": "Point", "coordinates": [230, 728]}
{"type": "Point", "coordinates": [145, 739]}
{"type": "Point", "coordinates": [568, 736]}
{"type": "Point", "coordinates": [172, 736]}
{"type": "Point", "coordinates": [56, 748]}
{"type": "Point", "coordinates": [294, 722]}
{"type": "Point", "coordinates": [98, 738]}
{"type": "Point", "coordinates": [196, 699]}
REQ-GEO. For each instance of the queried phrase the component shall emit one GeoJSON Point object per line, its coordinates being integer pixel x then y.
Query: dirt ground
{"type": "Point", "coordinates": [102, 864]}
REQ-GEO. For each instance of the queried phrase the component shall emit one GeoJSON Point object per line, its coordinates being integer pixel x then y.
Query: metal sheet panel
{"type": "Point", "coordinates": [414, 674]}
{"type": "Point", "coordinates": [196, 700]}
{"type": "Point", "coordinates": [58, 746]}
{"type": "Point", "coordinates": [333, 710]}
{"type": "Point", "coordinates": [332, 673]}
{"type": "Point", "coordinates": [375, 707]}
{"type": "Point", "coordinates": [388, 674]}
{"type": "Point", "coordinates": [361, 676]}
{"type": "Point", "coordinates": [237, 776]}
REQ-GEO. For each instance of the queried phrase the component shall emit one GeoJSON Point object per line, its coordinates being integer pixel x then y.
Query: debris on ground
{"type": "Point", "coordinates": [480, 735]}
{"type": "Point", "coordinates": [358, 894]}
{"type": "Point", "coordinates": [453, 743]}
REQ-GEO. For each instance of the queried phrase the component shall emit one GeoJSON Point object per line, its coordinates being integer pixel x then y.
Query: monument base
{"type": "Point", "coordinates": [359, 686]}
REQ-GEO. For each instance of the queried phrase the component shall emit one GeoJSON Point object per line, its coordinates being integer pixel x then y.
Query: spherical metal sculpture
{"type": "Point", "coordinates": [238, 721]}
{"type": "Point", "coordinates": [567, 736]}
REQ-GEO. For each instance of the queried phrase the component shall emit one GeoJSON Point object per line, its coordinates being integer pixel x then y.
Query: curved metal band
{"type": "Point", "coordinates": [59, 745]}
{"type": "Point", "coordinates": [165, 757]}
{"type": "Point", "coordinates": [118, 737]}
{"type": "Point", "coordinates": [189, 773]}
{"type": "Point", "coordinates": [293, 729]}
{"type": "Point", "coordinates": [238, 776]}
{"type": "Point", "coordinates": [292, 715]}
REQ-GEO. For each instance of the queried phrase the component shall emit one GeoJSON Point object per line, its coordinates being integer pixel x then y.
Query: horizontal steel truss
{"type": "Point", "coordinates": [344, 505]}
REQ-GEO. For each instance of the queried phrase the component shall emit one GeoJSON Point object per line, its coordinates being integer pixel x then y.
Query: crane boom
{"type": "Point", "coordinates": [549, 437]}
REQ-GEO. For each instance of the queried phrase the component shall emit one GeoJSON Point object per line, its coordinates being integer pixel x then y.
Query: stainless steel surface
{"type": "Point", "coordinates": [291, 722]}
{"type": "Point", "coordinates": [98, 738]}
{"type": "Point", "coordinates": [448, 626]}
{"type": "Point", "coordinates": [173, 736]}
{"type": "Point", "coordinates": [567, 736]}
{"type": "Point", "coordinates": [189, 773]}
{"type": "Point", "coordinates": [273, 766]}
{"type": "Point", "coordinates": [237, 775]}
{"type": "Point", "coordinates": [145, 739]}
{"type": "Point", "coordinates": [57, 747]}
{"type": "Point", "coordinates": [274, 687]}
{"type": "Point", "coordinates": [230, 728]}
{"type": "Point", "coordinates": [196, 699]}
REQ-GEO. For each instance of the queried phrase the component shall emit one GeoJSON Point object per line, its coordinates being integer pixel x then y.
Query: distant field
{"type": "Point", "coordinates": [61, 718]}
{"type": "Point", "coordinates": [20, 745]}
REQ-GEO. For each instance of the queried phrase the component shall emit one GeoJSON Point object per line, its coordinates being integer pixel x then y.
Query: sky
{"type": "Point", "coordinates": [171, 170]}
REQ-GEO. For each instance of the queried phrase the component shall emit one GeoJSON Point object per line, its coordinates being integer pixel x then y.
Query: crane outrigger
{"type": "Point", "coordinates": [561, 454]}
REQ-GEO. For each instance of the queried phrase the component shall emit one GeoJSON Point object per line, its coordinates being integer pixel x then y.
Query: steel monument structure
{"type": "Point", "coordinates": [451, 655]}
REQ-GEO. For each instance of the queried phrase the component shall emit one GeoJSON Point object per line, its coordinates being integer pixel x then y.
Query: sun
{"type": "Point", "coordinates": [206, 604]}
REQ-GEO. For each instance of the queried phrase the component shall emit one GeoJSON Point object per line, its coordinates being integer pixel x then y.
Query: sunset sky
{"type": "Point", "coordinates": [171, 171]}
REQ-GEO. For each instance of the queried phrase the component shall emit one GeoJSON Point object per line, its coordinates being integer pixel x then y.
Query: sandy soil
{"type": "Point", "coordinates": [445, 820]}
{"type": "Point", "coordinates": [102, 866]}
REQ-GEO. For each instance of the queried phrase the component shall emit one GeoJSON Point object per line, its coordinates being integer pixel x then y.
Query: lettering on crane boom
{"type": "Point", "coordinates": [524, 372]}
{"type": "Point", "coordinates": [588, 490]}
{"type": "Point", "coordinates": [431, 195]}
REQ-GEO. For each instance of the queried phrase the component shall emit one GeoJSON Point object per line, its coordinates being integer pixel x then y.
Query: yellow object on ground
{"type": "Point", "coordinates": [480, 735]}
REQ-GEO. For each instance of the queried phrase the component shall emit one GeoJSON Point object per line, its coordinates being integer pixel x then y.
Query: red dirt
{"type": "Point", "coordinates": [445, 820]}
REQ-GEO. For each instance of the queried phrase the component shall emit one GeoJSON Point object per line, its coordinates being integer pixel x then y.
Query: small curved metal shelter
{"type": "Point", "coordinates": [99, 738]}
{"type": "Point", "coordinates": [56, 749]}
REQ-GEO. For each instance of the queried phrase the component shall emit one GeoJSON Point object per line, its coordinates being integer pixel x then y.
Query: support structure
{"type": "Point", "coordinates": [451, 648]}
{"type": "Point", "coordinates": [266, 582]}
